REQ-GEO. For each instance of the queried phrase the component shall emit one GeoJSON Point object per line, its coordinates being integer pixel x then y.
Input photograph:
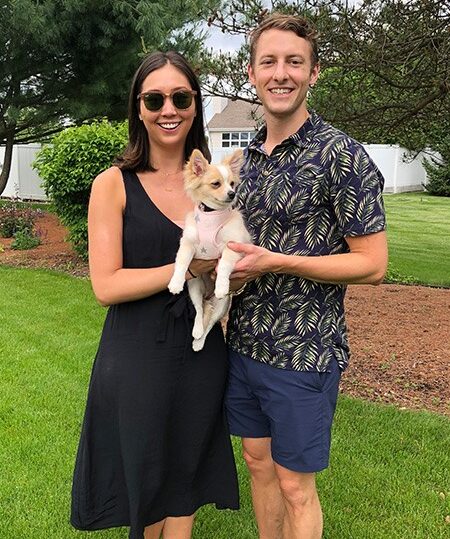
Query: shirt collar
{"type": "Point", "coordinates": [300, 137]}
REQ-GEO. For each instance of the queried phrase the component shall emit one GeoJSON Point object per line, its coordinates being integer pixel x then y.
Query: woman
{"type": "Point", "coordinates": [154, 445]}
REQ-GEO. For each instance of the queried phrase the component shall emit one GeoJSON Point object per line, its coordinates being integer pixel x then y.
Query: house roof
{"type": "Point", "coordinates": [236, 115]}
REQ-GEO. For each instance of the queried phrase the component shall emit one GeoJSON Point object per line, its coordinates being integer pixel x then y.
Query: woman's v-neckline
{"type": "Point", "coordinates": [149, 198]}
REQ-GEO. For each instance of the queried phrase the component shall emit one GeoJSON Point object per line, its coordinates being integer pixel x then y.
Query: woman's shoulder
{"type": "Point", "coordinates": [109, 182]}
{"type": "Point", "coordinates": [111, 176]}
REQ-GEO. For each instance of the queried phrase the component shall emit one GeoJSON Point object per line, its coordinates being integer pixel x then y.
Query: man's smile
{"type": "Point", "coordinates": [280, 91]}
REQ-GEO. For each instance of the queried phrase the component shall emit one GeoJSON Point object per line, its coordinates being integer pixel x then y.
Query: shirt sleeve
{"type": "Point", "coordinates": [356, 192]}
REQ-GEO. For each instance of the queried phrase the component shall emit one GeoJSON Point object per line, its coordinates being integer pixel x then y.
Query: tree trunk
{"type": "Point", "coordinates": [6, 168]}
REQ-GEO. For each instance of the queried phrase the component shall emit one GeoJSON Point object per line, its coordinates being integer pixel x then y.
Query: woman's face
{"type": "Point", "coordinates": [169, 126]}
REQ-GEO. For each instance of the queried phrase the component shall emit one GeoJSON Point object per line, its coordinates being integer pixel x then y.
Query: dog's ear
{"type": "Point", "coordinates": [197, 163]}
{"type": "Point", "coordinates": [235, 160]}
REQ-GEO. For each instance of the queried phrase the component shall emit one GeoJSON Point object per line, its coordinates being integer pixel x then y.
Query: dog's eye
{"type": "Point", "coordinates": [232, 184]}
{"type": "Point", "coordinates": [215, 184]}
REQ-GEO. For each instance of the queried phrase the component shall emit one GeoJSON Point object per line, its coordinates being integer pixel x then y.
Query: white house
{"type": "Point", "coordinates": [234, 124]}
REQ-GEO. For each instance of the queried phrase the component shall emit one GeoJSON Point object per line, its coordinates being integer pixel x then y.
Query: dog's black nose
{"type": "Point", "coordinates": [231, 195]}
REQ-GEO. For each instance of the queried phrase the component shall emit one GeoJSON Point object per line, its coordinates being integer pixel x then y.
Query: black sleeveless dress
{"type": "Point", "coordinates": [154, 441]}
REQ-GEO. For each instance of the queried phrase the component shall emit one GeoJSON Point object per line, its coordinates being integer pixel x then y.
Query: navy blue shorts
{"type": "Point", "coordinates": [293, 408]}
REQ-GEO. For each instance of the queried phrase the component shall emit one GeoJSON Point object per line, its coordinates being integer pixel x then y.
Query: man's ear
{"type": "Point", "coordinates": [314, 74]}
{"type": "Point", "coordinates": [251, 75]}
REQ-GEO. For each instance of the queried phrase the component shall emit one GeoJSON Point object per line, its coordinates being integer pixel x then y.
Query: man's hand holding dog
{"type": "Point", "coordinates": [256, 261]}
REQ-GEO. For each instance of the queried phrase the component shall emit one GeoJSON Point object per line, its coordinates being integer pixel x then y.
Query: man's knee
{"type": "Point", "coordinates": [298, 489]}
{"type": "Point", "coordinates": [296, 494]}
{"type": "Point", "coordinates": [257, 455]}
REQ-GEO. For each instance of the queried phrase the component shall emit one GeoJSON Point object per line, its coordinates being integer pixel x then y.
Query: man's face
{"type": "Point", "coordinates": [282, 72]}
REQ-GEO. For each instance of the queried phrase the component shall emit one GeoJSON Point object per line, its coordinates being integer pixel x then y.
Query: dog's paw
{"type": "Point", "coordinates": [175, 285]}
{"type": "Point", "coordinates": [221, 291]}
{"type": "Point", "coordinates": [197, 344]}
{"type": "Point", "coordinates": [222, 287]}
{"type": "Point", "coordinates": [197, 330]}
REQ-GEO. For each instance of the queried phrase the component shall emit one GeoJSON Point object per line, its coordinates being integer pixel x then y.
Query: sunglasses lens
{"type": "Point", "coordinates": [153, 101]}
{"type": "Point", "coordinates": [182, 100]}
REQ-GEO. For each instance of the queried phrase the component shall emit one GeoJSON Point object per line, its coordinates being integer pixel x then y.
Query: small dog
{"type": "Point", "coordinates": [207, 230]}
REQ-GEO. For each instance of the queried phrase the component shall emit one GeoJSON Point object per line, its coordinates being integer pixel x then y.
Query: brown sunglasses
{"type": "Point", "coordinates": [154, 101]}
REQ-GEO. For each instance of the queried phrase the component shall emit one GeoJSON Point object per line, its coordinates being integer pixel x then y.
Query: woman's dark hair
{"type": "Point", "coordinates": [136, 156]}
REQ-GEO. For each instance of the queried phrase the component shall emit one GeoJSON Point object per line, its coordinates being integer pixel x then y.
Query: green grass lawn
{"type": "Point", "coordinates": [419, 237]}
{"type": "Point", "coordinates": [389, 474]}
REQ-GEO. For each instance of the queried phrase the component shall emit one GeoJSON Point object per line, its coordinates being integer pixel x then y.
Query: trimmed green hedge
{"type": "Point", "coordinates": [438, 170]}
{"type": "Point", "coordinates": [68, 167]}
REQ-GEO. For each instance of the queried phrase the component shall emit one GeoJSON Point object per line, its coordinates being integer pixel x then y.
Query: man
{"type": "Point", "coordinates": [312, 201]}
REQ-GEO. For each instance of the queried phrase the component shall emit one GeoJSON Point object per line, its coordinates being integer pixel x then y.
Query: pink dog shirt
{"type": "Point", "coordinates": [209, 224]}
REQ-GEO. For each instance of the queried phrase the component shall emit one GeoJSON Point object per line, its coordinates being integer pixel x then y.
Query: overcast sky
{"type": "Point", "coordinates": [225, 42]}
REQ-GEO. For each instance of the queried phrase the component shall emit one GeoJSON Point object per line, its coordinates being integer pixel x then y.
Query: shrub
{"type": "Point", "coordinates": [16, 216]}
{"type": "Point", "coordinates": [25, 239]}
{"type": "Point", "coordinates": [438, 170]}
{"type": "Point", "coordinates": [68, 167]}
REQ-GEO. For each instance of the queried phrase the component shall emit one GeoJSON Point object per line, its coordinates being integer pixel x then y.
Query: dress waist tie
{"type": "Point", "coordinates": [178, 306]}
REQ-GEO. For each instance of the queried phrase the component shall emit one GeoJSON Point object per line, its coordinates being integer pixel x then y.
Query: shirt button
{"type": "Point", "coordinates": [266, 172]}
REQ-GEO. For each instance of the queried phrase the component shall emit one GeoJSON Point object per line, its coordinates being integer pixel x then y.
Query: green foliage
{"type": "Point", "coordinates": [10, 224]}
{"type": "Point", "coordinates": [68, 167]}
{"type": "Point", "coordinates": [17, 219]}
{"type": "Point", "coordinates": [25, 239]}
{"type": "Point", "coordinates": [74, 60]}
{"type": "Point", "coordinates": [438, 170]}
{"type": "Point", "coordinates": [384, 65]}
{"type": "Point", "coordinates": [394, 276]}
{"type": "Point", "coordinates": [69, 62]}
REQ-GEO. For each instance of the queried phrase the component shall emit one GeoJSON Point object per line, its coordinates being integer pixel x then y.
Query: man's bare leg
{"type": "Point", "coordinates": [303, 517]}
{"type": "Point", "coordinates": [267, 500]}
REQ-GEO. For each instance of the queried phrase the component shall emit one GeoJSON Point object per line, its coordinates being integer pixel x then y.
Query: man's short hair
{"type": "Point", "coordinates": [290, 23]}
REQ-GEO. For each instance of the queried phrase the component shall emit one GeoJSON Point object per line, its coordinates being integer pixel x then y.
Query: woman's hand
{"type": "Point", "coordinates": [237, 284]}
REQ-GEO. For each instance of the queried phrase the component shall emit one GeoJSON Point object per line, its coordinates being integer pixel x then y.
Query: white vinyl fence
{"type": "Point", "coordinates": [401, 174]}
{"type": "Point", "coordinates": [23, 181]}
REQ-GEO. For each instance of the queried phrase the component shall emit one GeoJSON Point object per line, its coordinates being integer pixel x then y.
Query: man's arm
{"type": "Point", "coordinates": [366, 263]}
